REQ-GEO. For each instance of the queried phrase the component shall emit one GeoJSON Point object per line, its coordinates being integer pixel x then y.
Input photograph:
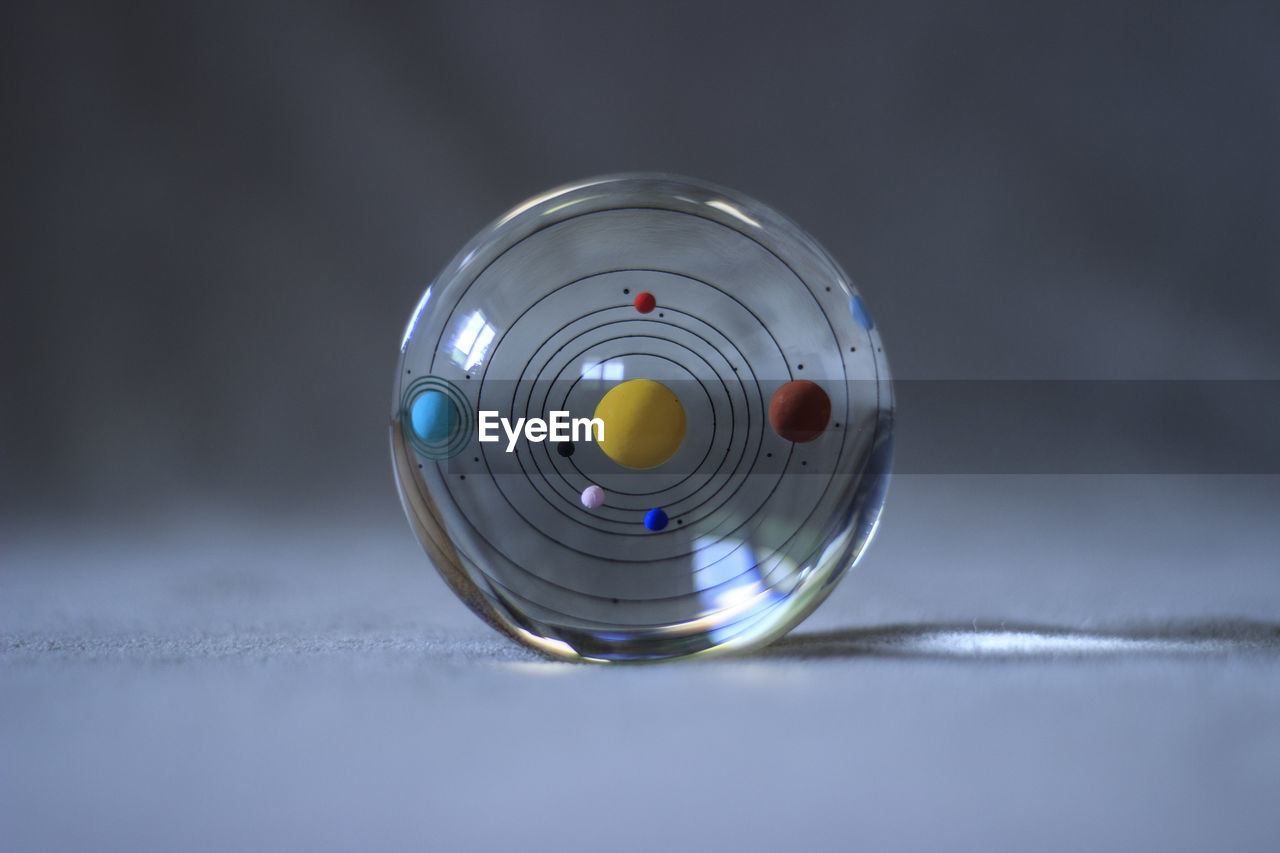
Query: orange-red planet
{"type": "Point", "coordinates": [799, 410]}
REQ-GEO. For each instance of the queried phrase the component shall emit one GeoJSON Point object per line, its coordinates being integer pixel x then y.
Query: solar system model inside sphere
{"type": "Point", "coordinates": [642, 417]}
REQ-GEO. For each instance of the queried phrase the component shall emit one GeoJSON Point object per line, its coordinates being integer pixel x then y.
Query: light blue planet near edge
{"type": "Point", "coordinates": [434, 417]}
{"type": "Point", "coordinates": [860, 313]}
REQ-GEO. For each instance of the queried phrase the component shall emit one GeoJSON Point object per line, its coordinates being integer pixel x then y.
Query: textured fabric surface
{"type": "Point", "coordinates": [987, 678]}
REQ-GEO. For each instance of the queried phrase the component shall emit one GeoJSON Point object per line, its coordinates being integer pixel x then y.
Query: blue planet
{"type": "Point", "coordinates": [655, 519]}
{"type": "Point", "coordinates": [433, 416]}
{"type": "Point", "coordinates": [858, 309]}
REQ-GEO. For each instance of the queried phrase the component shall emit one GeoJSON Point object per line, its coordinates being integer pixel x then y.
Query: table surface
{"type": "Point", "coordinates": [1049, 663]}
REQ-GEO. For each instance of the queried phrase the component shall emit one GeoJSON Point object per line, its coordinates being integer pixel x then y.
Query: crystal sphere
{"type": "Point", "coordinates": [755, 451]}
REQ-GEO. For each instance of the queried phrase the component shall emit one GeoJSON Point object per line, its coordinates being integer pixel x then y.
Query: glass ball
{"type": "Point", "coordinates": [690, 360]}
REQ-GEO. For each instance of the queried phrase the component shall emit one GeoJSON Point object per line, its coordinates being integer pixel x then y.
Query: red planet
{"type": "Point", "coordinates": [799, 410]}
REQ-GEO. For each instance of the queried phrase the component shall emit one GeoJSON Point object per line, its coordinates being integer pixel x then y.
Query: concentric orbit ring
{"type": "Point", "coordinates": [737, 375]}
{"type": "Point", "coordinates": [577, 319]}
{"type": "Point", "coordinates": [497, 348]}
{"type": "Point", "coordinates": [550, 383]}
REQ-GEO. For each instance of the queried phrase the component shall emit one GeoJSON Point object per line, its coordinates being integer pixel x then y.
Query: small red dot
{"type": "Point", "coordinates": [646, 303]}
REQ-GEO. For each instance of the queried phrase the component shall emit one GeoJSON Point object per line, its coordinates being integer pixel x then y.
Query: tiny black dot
{"type": "Point", "coordinates": [615, 601]}
{"type": "Point", "coordinates": [565, 448]}
{"type": "Point", "coordinates": [837, 426]}
{"type": "Point", "coordinates": [735, 370]}
{"type": "Point", "coordinates": [879, 349]}
{"type": "Point", "coordinates": [679, 521]}
{"type": "Point", "coordinates": [799, 367]}
{"type": "Point", "coordinates": [477, 458]}
{"type": "Point", "coordinates": [853, 349]}
{"type": "Point", "coordinates": [660, 314]}
{"type": "Point", "coordinates": [408, 371]}
{"type": "Point", "coordinates": [468, 375]}
{"type": "Point", "coordinates": [624, 290]}
{"type": "Point", "coordinates": [419, 464]}
{"type": "Point", "coordinates": [828, 290]}
{"type": "Point", "coordinates": [769, 455]}
{"type": "Point", "coordinates": [462, 476]}
{"type": "Point", "coordinates": [802, 462]}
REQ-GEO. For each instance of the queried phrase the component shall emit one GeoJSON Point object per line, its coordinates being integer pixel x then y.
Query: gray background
{"type": "Point", "coordinates": [218, 632]}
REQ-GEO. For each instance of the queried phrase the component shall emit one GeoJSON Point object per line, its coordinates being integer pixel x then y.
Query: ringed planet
{"type": "Point", "coordinates": [433, 416]}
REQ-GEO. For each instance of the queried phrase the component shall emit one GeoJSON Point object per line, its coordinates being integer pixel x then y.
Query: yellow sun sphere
{"type": "Point", "coordinates": [643, 423]}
